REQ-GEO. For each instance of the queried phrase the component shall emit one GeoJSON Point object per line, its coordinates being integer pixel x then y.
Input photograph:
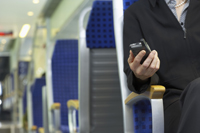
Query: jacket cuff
{"type": "Point", "coordinates": [136, 85]}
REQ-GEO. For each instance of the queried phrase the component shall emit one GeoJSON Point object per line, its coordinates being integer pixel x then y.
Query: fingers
{"type": "Point", "coordinates": [134, 62]}
{"type": "Point", "coordinates": [149, 60]}
{"type": "Point", "coordinates": [154, 66]}
{"type": "Point", "coordinates": [148, 68]}
{"type": "Point", "coordinates": [136, 66]}
{"type": "Point", "coordinates": [158, 64]}
{"type": "Point", "coordinates": [139, 57]}
{"type": "Point", "coordinates": [131, 57]}
{"type": "Point", "coordinates": [144, 68]}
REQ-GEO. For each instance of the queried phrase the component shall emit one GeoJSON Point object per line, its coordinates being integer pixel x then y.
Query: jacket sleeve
{"type": "Point", "coordinates": [132, 33]}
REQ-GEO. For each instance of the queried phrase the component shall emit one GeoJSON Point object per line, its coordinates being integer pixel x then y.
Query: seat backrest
{"type": "Point", "coordinates": [105, 98]}
{"type": "Point", "coordinates": [65, 75]}
{"type": "Point", "coordinates": [37, 101]}
{"type": "Point", "coordinates": [137, 118]}
{"type": "Point", "coordinates": [25, 100]}
{"type": "Point", "coordinates": [23, 69]}
{"type": "Point", "coordinates": [22, 73]}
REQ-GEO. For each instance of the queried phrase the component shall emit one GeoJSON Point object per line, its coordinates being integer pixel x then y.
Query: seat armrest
{"type": "Point", "coordinates": [55, 106]}
{"type": "Point", "coordinates": [154, 92]}
{"type": "Point", "coordinates": [73, 103]}
{"type": "Point", "coordinates": [55, 109]}
{"type": "Point", "coordinates": [41, 130]}
{"type": "Point", "coordinates": [73, 106]}
{"type": "Point", "coordinates": [34, 128]}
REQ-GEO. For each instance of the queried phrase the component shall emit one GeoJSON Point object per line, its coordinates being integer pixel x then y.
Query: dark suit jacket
{"type": "Point", "coordinates": [179, 51]}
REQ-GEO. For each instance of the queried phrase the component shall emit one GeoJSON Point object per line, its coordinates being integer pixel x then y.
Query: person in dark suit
{"type": "Point", "coordinates": [172, 30]}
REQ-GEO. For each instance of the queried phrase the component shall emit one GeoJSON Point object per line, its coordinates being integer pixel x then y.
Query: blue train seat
{"type": "Point", "coordinates": [100, 32]}
{"type": "Point", "coordinates": [65, 76]}
{"type": "Point", "coordinates": [100, 105]}
{"type": "Point", "coordinates": [23, 69]}
{"type": "Point", "coordinates": [24, 101]}
{"type": "Point", "coordinates": [37, 101]}
{"type": "Point", "coordinates": [139, 111]}
{"type": "Point", "coordinates": [22, 73]}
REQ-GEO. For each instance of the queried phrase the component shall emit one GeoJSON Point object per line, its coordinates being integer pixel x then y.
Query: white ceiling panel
{"type": "Point", "coordinates": [13, 14]}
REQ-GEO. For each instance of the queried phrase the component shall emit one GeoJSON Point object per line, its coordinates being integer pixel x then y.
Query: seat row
{"type": "Point", "coordinates": [90, 94]}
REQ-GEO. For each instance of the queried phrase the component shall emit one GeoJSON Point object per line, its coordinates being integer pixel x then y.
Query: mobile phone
{"type": "Point", "coordinates": [138, 46]}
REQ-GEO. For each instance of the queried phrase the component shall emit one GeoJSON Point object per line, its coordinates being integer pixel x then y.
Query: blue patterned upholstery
{"type": "Point", "coordinates": [65, 75]}
{"type": "Point", "coordinates": [142, 109]}
{"type": "Point", "coordinates": [142, 117]}
{"type": "Point", "coordinates": [127, 3]}
{"type": "Point", "coordinates": [100, 30]}
{"type": "Point", "coordinates": [24, 100]}
{"type": "Point", "coordinates": [23, 68]}
{"type": "Point", "coordinates": [23, 71]}
{"type": "Point", "coordinates": [37, 101]}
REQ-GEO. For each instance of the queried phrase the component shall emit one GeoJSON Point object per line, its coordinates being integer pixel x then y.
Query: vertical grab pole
{"type": "Point", "coordinates": [83, 74]}
{"type": "Point", "coordinates": [29, 108]}
{"type": "Point", "coordinates": [49, 76]}
{"type": "Point", "coordinates": [44, 109]}
{"type": "Point", "coordinates": [20, 114]}
{"type": "Point", "coordinates": [30, 78]}
{"type": "Point", "coordinates": [118, 27]}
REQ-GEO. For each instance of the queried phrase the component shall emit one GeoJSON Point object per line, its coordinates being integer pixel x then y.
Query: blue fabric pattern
{"type": "Point", "coordinates": [24, 100]}
{"type": "Point", "coordinates": [65, 76]}
{"type": "Point", "coordinates": [100, 30]}
{"type": "Point", "coordinates": [127, 3]}
{"type": "Point", "coordinates": [23, 68]}
{"type": "Point", "coordinates": [37, 101]}
{"type": "Point", "coordinates": [142, 117]}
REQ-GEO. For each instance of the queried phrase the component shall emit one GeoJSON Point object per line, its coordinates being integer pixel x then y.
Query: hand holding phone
{"type": "Point", "coordinates": [139, 46]}
{"type": "Point", "coordinates": [144, 65]}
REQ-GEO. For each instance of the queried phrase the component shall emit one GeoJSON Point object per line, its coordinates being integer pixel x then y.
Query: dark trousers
{"type": "Point", "coordinates": [183, 115]}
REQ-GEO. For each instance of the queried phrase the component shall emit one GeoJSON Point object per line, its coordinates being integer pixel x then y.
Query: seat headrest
{"type": "Point", "coordinates": [100, 29]}
{"type": "Point", "coordinates": [65, 48]}
{"type": "Point", "coordinates": [127, 3]}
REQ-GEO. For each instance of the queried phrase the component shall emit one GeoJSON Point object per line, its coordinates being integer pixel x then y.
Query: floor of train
{"type": "Point", "coordinates": [7, 127]}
